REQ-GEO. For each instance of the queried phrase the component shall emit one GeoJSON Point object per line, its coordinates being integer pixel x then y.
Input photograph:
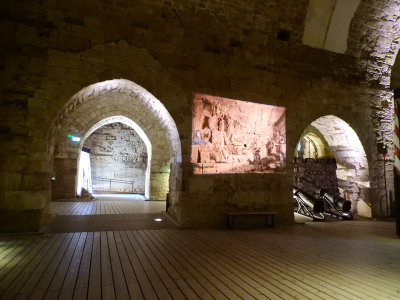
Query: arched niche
{"type": "Point", "coordinates": [312, 144]}
{"type": "Point", "coordinates": [128, 122]}
{"type": "Point", "coordinates": [105, 102]}
{"type": "Point", "coordinates": [352, 165]}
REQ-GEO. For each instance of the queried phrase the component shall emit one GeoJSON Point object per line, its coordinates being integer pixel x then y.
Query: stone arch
{"type": "Point", "coordinates": [374, 37]}
{"type": "Point", "coordinates": [106, 100]}
{"type": "Point", "coordinates": [312, 137]}
{"type": "Point", "coordinates": [139, 131]}
{"type": "Point", "coordinates": [352, 164]}
{"type": "Point", "coordinates": [327, 24]}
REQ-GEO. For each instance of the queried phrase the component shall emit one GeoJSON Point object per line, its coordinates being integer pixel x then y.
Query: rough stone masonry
{"type": "Point", "coordinates": [67, 65]}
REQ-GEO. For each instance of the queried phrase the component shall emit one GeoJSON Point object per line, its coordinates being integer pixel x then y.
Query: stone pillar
{"type": "Point", "coordinates": [65, 171]}
{"type": "Point", "coordinates": [65, 168]}
{"type": "Point", "coordinates": [382, 152]}
{"type": "Point", "coordinates": [25, 191]}
{"type": "Point", "coordinates": [175, 187]}
{"type": "Point", "coordinates": [159, 180]}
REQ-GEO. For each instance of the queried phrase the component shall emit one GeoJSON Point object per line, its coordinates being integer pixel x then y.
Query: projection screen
{"type": "Point", "coordinates": [233, 136]}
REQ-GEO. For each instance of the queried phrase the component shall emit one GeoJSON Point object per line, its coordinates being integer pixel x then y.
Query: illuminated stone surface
{"type": "Point", "coordinates": [311, 174]}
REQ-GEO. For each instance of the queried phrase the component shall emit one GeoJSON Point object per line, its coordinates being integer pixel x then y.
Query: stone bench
{"type": "Point", "coordinates": [269, 216]}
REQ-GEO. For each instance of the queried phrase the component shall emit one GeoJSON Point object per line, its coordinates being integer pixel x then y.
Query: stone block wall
{"type": "Point", "coordinates": [209, 197]}
{"type": "Point", "coordinates": [52, 50]}
{"type": "Point", "coordinates": [312, 174]}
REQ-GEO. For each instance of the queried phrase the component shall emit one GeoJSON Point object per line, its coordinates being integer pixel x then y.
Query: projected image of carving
{"type": "Point", "coordinates": [232, 136]}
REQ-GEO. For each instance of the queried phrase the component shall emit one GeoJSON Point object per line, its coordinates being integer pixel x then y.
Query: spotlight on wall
{"type": "Point", "coordinates": [75, 139]}
{"type": "Point", "coordinates": [158, 219]}
{"type": "Point", "coordinates": [53, 179]}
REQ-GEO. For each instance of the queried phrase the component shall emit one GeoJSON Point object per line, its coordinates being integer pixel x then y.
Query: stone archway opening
{"type": "Point", "coordinates": [127, 103]}
{"type": "Point", "coordinates": [120, 155]}
{"type": "Point", "coordinates": [329, 155]}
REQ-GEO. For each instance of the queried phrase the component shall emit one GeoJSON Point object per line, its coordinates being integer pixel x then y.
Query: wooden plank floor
{"type": "Point", "coordinates": [106, 206]}
{"type": "Point", "coordinates": [340, 260]}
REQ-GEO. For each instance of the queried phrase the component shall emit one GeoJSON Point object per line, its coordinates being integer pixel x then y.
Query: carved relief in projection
{"type": "Point", "coordinates": [232, 136]}
{"type": "Point", "coordinates": [117, 152]}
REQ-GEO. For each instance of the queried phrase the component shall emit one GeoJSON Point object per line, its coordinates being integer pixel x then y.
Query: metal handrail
{"type": "Point", "coordinates": [110, 180]}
